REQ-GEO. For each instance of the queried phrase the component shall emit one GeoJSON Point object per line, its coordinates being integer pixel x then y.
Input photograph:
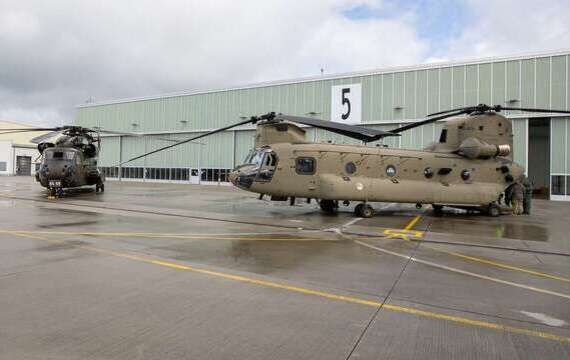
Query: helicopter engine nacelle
{"type": "Point", "coordinates": [43, 146]}
{"type": "Point", "coordinates": [89, 150]}
{"type": "Point", "coordinates": [474, 148]}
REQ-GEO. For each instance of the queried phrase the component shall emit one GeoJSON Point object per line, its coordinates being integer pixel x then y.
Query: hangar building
{"type": "Point", "coordinates": [18, 156]}
{"type": "Point", "coordinates": [383, 98]}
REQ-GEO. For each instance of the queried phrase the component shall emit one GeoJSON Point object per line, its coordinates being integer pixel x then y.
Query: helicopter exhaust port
{"type": "Point", "coordinates": [503, 150]}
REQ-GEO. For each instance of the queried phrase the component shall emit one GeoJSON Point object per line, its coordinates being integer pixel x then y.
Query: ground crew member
{"type": "Point", "coordinates": [509, 195]}
{"type": "Point", "coordinates": [527, 200]}
{"type": "Point", "coordinates": [518, 195]}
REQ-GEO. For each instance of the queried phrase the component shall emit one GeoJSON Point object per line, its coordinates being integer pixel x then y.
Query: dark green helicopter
{"type": "Point", "coordinates": [71, 160]}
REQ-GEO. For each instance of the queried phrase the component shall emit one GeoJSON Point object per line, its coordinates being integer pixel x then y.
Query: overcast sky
{"type": "Point", "coordinates": [60, 53]}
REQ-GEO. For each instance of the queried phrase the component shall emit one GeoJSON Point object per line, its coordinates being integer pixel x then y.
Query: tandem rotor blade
{"type": "Point", "coordinates": [101, 131]}
{"type": "Point", "coordinates": [15, 131]}
{"type": "Point", "coordinates": [466, 109]}
{"type": "Point", "coordinates": [250, 120]}
{"type": "Point", "coordinates": [427, 121]}
{"type": "Point", "coordinates": [44, 137]}
{"type": "Point", "coordinates": [352, 131]}
{"type": "Point", "coordinates": [481, 108]}
{"type": "Point", "coordinates": [552, 111]}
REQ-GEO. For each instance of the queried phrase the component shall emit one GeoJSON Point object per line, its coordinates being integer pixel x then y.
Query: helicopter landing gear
{"type": "Point", "coordinates": [437, 210]}
{"type": "Point", "coordinates": [54, 193]}
{"type": "Point", "coordinates": [493, 210]}
{"type": "Point", "coordinates": [100, 187]}
{"type": "Point", "coordinates": [329, 206]}
{"type": "Point", "coordinates": [364, 210]}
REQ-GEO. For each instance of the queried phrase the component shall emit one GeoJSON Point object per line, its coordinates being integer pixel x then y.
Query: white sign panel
{"type": "Point", "coordinates": [346, 103]}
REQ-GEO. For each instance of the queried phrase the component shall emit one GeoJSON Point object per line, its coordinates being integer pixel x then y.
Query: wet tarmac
{"type": "Point", "coordinates": [147, 271]}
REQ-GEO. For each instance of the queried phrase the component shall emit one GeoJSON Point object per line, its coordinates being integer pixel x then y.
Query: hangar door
{"type": "Point", "coordinates": [560, 161]}
{"type": "Point", "coordinates": [24, 165]}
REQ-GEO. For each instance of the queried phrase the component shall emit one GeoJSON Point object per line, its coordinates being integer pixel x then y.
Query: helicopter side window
{"type": "Point", "coordinates": [443, 136]}
{"type": "Point", "coordinates": [305, 166]}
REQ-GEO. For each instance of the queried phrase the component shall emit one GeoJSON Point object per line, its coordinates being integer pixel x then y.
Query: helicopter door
{"type": "Point", "coordinates": [194, 176]}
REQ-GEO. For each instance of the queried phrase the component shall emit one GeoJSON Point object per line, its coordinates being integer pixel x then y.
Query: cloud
{"type": "Point", "coordinates": [512, 27]}
{"type": "Point", "coordinates": [55, 55]}
{"type": "Point", "coordinates": [58, 54]}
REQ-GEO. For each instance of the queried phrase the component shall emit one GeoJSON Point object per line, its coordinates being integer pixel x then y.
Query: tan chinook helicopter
{"type": "Point", "coordinates": [469, 167]}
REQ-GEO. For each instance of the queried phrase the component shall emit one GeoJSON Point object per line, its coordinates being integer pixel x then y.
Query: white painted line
{"type": "Point", "coordinates": [351, 222]}
{"type": "Point", "coordinates": [545, 319]}
{"type": "Point", "coordinates": [464, 272]}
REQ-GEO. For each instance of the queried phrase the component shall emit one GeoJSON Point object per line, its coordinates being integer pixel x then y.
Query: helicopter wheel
{"type": "Point", "coordinates": [329, 206]}
{"type": "Point", "coordinates": [364, 210]}
{"type": "Point", "coordinates": [493, 210]}
{"type": "Point", "coordinates": [437, 210]}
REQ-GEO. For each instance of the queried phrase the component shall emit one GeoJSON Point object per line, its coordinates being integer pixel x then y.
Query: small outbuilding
{"type": "Point", "coordinates": [18, 156]}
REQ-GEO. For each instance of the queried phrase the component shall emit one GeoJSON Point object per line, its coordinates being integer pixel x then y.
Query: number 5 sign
{"type": "Point", "coordinates": [346, 103]}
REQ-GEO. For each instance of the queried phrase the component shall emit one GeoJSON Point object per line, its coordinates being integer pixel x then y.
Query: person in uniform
{"type": "Point", "coordinates": [517, 198]}
{"type": "Point", "coordinates": [509, 195]}
{"type": "Point", "coordinates": [527, 199]}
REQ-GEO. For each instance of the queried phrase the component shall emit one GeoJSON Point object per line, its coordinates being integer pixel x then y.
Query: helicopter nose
{"type": "Point", "coordinates": [234, 174]}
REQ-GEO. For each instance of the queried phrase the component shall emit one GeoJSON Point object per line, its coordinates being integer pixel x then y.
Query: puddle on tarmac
{"type": "Point", "coordinates": [489, 228]}
{"type": "Point", "coordinates": [69, 224]}
{"type": "Point", "coordinates": [522, 232]}
{"type": "Point", "coordinates": [62, 245]}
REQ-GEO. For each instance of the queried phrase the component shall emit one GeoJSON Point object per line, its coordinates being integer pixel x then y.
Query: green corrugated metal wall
{"type": "Point", "coordinates": [520, 129]}
{"type": "Point", "coordinates": [388, 97]}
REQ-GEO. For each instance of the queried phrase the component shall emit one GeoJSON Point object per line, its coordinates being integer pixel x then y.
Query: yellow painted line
{"type": "Point", "coordinates": [330, 296]}
{"type": "Point", "coordinates": [403, 234]}
{"type": "Point", "coordinates": [166, 236]}
{"type": "Point", "coordinates": [478, 323]}
{"type": "Point", "coordinates": [413, 222]}
{"type": "Point", "coordinates": [505, 266]}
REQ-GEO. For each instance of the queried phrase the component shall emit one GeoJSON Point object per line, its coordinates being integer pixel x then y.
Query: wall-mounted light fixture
{"type": "Point", "coordinates": [313, 113]}
{"type": "Point", "coordinates": [398, 107]}
{"type": "Point", "coordinates": [184, 121]}
{"type": "Point", "coordinates": [512, 101]}
{"type": "Point", "coordinates": [134, 124]}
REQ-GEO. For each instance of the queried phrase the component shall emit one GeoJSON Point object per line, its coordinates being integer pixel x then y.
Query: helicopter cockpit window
{"type": "Point", "coordinates": [254, 158]}
{"type": "Point", "coordinates": [265, 162]}
{"type": "Point", "coordinates": [60, 155]}
{"type": "Point", "coordinates": [267, 167]}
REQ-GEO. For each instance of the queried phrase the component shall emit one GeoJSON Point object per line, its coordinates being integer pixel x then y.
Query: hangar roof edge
{"type": "Point", "coordinates": [387, 70]}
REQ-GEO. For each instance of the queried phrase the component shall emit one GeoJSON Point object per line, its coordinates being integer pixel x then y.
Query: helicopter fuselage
{"type": "Point", "coordinates": [375, 174]}
{"type": "Point", "coordinates": [67, 167]}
